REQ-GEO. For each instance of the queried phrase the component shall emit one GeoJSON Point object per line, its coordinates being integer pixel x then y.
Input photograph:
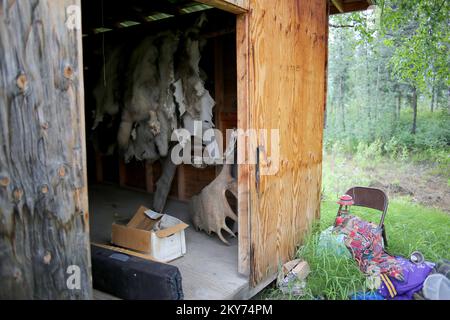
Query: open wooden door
{"type": "Point", "coordinates": [282, 54]}
{"type": "Point", "coordinates": [44, 236]}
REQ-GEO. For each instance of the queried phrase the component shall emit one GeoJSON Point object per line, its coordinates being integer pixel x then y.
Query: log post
{"type": "Point", "coordinates": [44, 220]}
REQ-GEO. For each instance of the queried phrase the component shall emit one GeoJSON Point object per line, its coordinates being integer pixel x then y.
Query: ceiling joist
{"type": "Point", "coordinates": [344, 6]}
{"type": "Point", "coordinates": [338, 4]}
{"type": "Point", "coordinates": [102, 16]}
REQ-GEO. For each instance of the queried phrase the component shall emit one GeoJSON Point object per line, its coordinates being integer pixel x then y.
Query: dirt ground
{"type": "Point", "coordinates": [418, 182]}
{"type": "Point", "coordinates": [415, 181]}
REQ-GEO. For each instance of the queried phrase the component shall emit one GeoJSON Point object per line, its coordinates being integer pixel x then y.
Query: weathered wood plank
{"type": "Point", "coordinates": [287, 41]}
{"type": "Point", "coordinates": [43, 197]}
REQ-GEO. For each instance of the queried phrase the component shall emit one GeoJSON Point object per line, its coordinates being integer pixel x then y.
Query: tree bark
{"type": "Point", "coordinates": [399, 104]}
{"type": "Point", "coordinates": [433, 97]}
{"type": "Point", "coordinates": [377, 92]}
{"type": "Point", "coordinates": [368, 93]}
{"type": "Point", "coordinates": [414, 107]}
{"type": "Point", "coordinates": [341, 100]}
{"type": "Point", "coordinates": [44, 229]}
{"type": "Point", "coordinates": [448, 107]}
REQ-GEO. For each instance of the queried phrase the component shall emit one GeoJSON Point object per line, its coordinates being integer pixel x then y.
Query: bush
{"type": "Point", "coordinates": [431, 143]}
{"type": "Point", "coordinates": [369, 154]}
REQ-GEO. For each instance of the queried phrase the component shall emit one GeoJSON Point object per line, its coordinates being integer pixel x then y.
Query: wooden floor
{"type": "Point", "coordinates": [209, 269]}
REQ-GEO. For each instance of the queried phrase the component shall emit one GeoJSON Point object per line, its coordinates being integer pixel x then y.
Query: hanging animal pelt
{"type": "Point", "coordinates": [158, 99]}
{"type": "Point", "coordinates": [194, 101]}
{"type": "Point", "coordinates": [108, 99]}
{"type": "Point", "coordinates": [141, 94]}
{"type": "Point", "coordinates": [107, 92]}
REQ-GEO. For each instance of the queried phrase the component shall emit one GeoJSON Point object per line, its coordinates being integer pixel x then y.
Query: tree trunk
{"type": "Point", "coordinates": [341, 100]}
{"type": "Point", "coordinates": [377, 92]}
{"type": "Point", "coordinates": [368, 93]}
{"type": "Point", "coordinates": [433, 98]}
{"type": "Point", "coordinates": [44, 221]}
{"type": "Point", "coordinates": [399, 104]}
{"type": "Point", "coordinates": [448, 107]}
{"type": "Point", "coordinates": [414, 107]}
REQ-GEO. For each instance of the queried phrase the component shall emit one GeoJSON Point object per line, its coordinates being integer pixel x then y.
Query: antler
{"type": "Point", "coordinates": [210, 208]}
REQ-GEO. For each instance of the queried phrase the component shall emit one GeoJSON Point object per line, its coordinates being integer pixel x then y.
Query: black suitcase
{"type": "Point", "coordinates": [133, 278]}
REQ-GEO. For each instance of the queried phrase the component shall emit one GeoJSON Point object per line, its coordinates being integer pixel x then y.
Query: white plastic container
{"type": "Point", "coordinates": [436, 287]}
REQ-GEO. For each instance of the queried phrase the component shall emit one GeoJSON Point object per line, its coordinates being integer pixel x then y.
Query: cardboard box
{"type": "Point", "coordinates": [159, 235]}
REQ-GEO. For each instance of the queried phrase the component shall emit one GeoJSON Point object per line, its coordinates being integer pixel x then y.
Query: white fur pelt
{"type": "Point", "coordinates": [142, 90]}
{"type": "Point", "coordinates": [142, 144]}
{"type": "Point", "coordinates": [157, 99]}
{"type": "Point", "coordinates": [167, 51]}
{"type": "Point", "coordinates": [148, 99]}
{"type": "Point", "coordinates": [195, 101]}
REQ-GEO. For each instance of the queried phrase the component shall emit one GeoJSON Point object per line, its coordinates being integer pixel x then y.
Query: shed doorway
{"type": "Point", "coordinates": [120, 181]}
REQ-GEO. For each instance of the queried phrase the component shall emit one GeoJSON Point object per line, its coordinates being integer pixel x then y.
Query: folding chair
{"type": "Point", "coordinates": [374, 199]}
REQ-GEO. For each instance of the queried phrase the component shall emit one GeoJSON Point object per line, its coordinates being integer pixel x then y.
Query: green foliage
{"type": "Point", "coordinates": [372, 151]}
{"type": "Point", "coordinates": [419, 30]}
{"type": "Point", "coordinates": [376, 59]}
{"type": "Point", "coordinates": [430, 144]}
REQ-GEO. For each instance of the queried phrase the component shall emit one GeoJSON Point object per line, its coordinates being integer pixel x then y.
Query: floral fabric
{"type": "Point", "coordinates": [365, 242]}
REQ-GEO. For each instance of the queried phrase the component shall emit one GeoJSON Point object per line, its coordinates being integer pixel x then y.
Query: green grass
{"type": "Point", "coordinates": [409, 227]}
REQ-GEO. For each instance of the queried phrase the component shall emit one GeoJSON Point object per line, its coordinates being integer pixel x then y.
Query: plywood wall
{"type": "Point", "coordinates": [283, 47]}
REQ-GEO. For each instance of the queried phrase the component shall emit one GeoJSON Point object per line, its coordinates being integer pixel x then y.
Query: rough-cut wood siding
{"type": "Point", "coordinates": [43, 199]}
{"type": "Point", "coordinates": [287, 60]}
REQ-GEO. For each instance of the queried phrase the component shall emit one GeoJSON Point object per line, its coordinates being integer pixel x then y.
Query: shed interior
{"type": "Point", "coordinates": [118, 188]}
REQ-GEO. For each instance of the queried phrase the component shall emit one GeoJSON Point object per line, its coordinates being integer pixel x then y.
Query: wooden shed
{"type": "Point", "coordinates": [266, 63]}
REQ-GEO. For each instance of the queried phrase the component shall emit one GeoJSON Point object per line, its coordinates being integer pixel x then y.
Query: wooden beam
{"type": "Point", "coordinates": [149, 184]}
{"type": "Point", "coordinates": [356, 6]}
{"type": "Point", "coordinates": [351, 7]}
{"type": "Point", "coordinates": [126, 251]}
{"type": "Point", "coordinates": [338, 4]}
{"type": "Point", "coordinates": [233, 6]}
{"type": "Point", "coordinates": [243, 93]}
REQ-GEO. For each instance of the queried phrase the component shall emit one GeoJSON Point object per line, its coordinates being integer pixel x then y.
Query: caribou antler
{"type": "Point", "coordinates": [210, 208]}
